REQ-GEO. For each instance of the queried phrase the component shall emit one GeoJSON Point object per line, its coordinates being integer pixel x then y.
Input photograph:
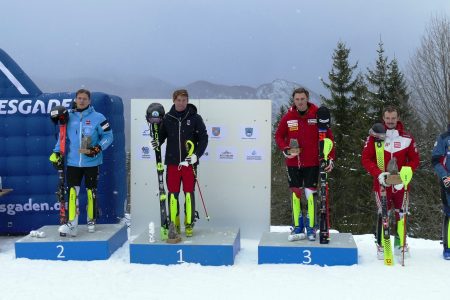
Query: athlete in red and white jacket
{"type": "Point", "coordinates": [303, 128]}
{"type": "Point", "coordinates": [300, 125]}
{"type": "Point", "coordinates": [399, 145]}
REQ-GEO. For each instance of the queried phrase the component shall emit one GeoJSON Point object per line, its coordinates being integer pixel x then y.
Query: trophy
{"type": "Point", "coordinates": [85, 144]}
{"type": "Point", "coordinates": [392, 168]}
{"type": "Point", "coordinates": [294, 148]}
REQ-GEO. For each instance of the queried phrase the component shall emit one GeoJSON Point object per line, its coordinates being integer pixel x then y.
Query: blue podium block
{"type": "Point", "coordinates": [274, 248]}
{"type": "Point", "coordinates": [208, 247]}
{"type": "Point", "coordinates": [98, 245]}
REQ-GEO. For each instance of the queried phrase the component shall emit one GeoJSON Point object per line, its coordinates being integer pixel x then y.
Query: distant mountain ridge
{"type": "Point", "coordinates": [279, 90]}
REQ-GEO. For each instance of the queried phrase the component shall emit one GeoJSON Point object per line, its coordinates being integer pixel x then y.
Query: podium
{"type": "Point", "coordinates": [98, 245]}
{"type": "Point", "coordinates": [274, 248]}
{"type": "Point", "coordinates": [208, 247]}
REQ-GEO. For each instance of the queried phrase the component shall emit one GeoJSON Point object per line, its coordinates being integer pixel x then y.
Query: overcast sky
{"type": "Point", "coordinates": [232, 42]}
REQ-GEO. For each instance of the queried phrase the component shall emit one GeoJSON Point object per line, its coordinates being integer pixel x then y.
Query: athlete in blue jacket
{"type": "Point", "coordinates": [85, 125]}
{"type": "Point", "coordinates": [441, 163]}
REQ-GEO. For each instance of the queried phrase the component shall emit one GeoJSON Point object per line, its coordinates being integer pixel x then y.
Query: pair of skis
{"type": "Point", "coordinates": [60, 116]}
{"type": "Point", "coordinates": [325, 147]}
{"type": "Point", "coordinates": [154, 116]}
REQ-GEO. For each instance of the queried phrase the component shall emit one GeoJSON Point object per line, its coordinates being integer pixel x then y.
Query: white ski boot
{"type": "Point", "coordinates": [380, 252]}
{"type": "Point", "coordinates": [91, 226]}
{"type": "Point", "coordinates": [398, 251]}
{"type": "Point", "coordinates": [70, 228]}
{"type": "Point", "coordinates": [296, 234]}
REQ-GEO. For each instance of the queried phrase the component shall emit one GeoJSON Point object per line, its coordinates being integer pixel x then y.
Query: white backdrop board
{"type": "Point", "coordinates": [234, 173]}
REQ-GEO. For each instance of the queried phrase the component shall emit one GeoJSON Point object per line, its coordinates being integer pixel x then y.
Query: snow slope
{"type": "Point", "coordinates": [425, 275]}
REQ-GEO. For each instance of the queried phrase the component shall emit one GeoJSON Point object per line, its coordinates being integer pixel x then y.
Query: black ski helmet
{"type": "Point", "coordinates": [323, 118]}
{"type": "Point", "coordinates": [59, 114]}
{"type": "Point", "coordinates": [155, 113]}
{"type": "Point", "coordinates": [378, 131]}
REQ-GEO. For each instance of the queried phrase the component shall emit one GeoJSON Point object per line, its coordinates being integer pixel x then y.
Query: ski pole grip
{"type": "Point", "coordinates": [327, 147]}
{"type": "Point", "coordinates": [190, 147]}
{"type": "Point", "coordinates": [406, 174]}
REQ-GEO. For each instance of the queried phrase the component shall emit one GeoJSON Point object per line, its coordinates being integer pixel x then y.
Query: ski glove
{"type": "Point", "coordinates": [330, 166]}
{"type": "Point", "coordinates": [382, 178]}
{"type": "Point", "coordinates": [93, 151]}
{"type": "Point", "coordinates": [192, 159]}
{"type": "Point", "coordinates": [154, 144]}
{"type": "Point", "coordinates": [287, 154]}
{"type": "Point", "coordinates": [446, 182]}
{"type": "Point", "coordinates": [56, 160]}
{"type": "Point", "coordinates": [398, 187]}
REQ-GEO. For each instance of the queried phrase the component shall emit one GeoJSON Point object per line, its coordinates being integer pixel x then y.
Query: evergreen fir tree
{"type": "Point", "coordinates": [378, 81]}
{"type": "Point", "coordinates": [397, 93]}
{"type": "Point", "coordinates": [341, 87]}
{"type": "Point", "coordinates": [351, 203]}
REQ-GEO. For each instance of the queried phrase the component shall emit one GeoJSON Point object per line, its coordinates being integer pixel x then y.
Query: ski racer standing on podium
{"type": "Point", "coordinates": [180, 125]}
{"type": "Point", "coordinates": [85, 124]}
{"type": "Point", "coordinates": [399, 145]}
{"type": "Point", "coordinates": [297, 136]}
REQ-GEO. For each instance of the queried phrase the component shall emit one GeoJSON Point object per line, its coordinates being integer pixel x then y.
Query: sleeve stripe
{"type": "Point", "coordinates": [105, 126]}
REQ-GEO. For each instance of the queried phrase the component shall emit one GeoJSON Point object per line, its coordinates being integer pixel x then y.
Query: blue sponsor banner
{"type": "Point", "coordinates": [27, 137]}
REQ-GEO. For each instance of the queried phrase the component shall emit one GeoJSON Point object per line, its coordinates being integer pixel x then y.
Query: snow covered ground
{"type": "Point", "coordinates": [426, 275]}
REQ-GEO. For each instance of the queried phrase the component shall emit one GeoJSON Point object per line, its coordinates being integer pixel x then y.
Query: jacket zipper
{"type": "Point", "coordinates": [179, 131]}
{"type": "Point", "coordinates": [79, 139]}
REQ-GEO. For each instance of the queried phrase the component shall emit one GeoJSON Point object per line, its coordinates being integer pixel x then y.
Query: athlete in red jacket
{"type": "Point", "coordinates": [299, 126]}
{"type": "Point", "coordinates": [399, 145]}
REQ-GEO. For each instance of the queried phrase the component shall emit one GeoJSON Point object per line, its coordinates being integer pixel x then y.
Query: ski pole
{"type": "Point", "coordinates": [190, 149]}
{"type": "Point", "coordinates": [406, 174]}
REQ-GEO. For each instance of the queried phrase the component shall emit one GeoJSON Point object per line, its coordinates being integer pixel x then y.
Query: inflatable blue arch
{"type": "Point", "coordinates": [27, 137]}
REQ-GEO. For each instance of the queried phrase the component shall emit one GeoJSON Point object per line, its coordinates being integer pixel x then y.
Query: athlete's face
{"type": "Point", "coordinates": [180, 102]}
{"type": "Point", "coordinates": [390, 119]}
{"type": "Point", "coordinates": [301, 101]}
{"type": "Point", "coordinates": [82, 100]}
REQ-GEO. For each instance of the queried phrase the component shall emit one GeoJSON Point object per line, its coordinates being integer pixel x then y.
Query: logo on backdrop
{"type": "Point", "coordinates": [216, 132]}
{"type": "Point", "coordinates": [253, 155]}
{"type": "Point", "coordinates": [26, 107]}
{"type": "Point", "coordinates": [145, 131]}
{"type": "Point", "coordinates": [226, 154]}
{"type": "Point", "coordinates": [248, 133]}
{"type": "Point", "coordinates": [145, 152]}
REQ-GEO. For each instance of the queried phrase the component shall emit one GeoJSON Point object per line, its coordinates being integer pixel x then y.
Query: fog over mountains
{"type": "Point", "coordinates": [279, 90]}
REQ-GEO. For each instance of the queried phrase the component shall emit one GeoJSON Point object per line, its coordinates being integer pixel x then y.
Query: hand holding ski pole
{"type": "Point", "coordinates": [56, 160]}
{"type": "Point", "coordinates": [382, 178]}
{"type": "Point", "coordinates": [192, 159]}
{"type": "Point", "coordinates": [327, 147]}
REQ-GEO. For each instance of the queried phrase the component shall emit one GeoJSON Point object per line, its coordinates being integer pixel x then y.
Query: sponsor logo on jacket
{"type": "Point", "coordinates": [292, 125]}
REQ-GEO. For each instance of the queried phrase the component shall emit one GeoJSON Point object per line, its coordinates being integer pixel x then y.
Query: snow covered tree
{"type": "Point", "coordinates": [378, 83]}
{"type": "Point", "coordinates": [397, 92]}
{"type": "Point", "coordinates": [350, 203]}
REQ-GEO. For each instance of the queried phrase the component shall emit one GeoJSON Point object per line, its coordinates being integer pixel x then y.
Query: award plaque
{"type": "Point", "coordinates": [85, 144]}
{"type": "Point", "coordinates": [294, 147]}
